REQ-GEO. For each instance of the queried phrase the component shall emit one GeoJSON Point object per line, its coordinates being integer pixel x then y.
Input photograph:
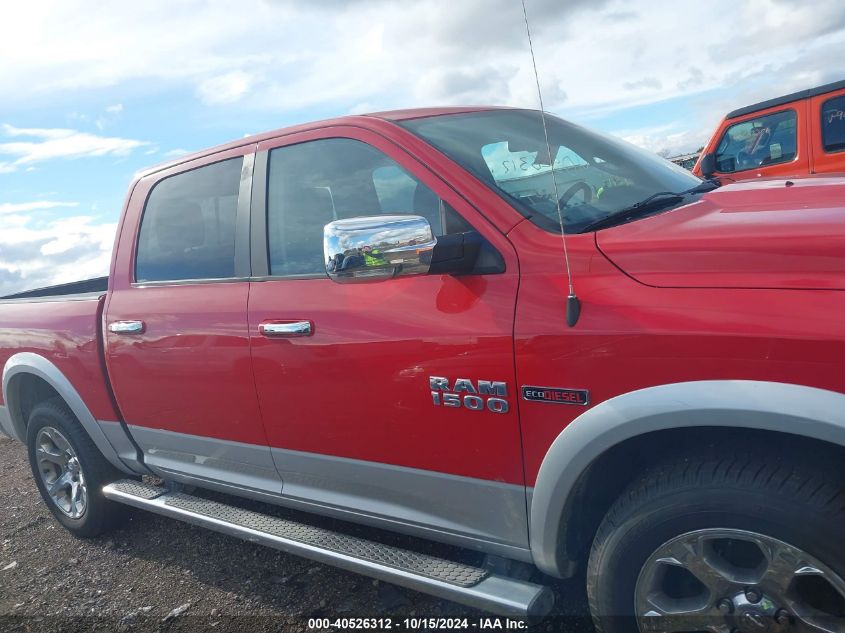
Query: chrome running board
{"type": "Point", "coordinates": [465, 584]}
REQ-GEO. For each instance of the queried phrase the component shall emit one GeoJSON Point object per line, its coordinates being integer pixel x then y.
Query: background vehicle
{"type": "Point", "coordinates": [366, 318]}
{"type": "Point", "coordinates": [794, 135]}
{"type": "Point", "coordinates": [687, 161]}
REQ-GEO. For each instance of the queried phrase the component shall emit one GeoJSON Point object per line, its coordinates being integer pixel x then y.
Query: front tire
{"type": "Point", "coordinates": [749, 543]}
{"type": "Point", "coordinates": [70, 471]}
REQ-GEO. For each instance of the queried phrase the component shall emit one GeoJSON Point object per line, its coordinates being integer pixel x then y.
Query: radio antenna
{"type": "Point", "coordinates": [573, 304]}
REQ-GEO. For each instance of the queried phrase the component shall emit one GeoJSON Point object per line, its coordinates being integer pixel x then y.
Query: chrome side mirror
{"type": "Point", "coordinates": [378, 247]}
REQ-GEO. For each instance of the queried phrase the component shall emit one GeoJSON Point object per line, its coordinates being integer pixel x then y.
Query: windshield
{"type": "Point", "coordinates": [596, 175]}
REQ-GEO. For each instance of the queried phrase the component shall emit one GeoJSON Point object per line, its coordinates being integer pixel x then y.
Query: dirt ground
{"type": "Point", "coordinates": [158, 574]}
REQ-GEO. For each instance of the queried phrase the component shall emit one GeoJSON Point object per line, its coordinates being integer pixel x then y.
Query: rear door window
{"type": "Point", "coordinates": [766, 140]}
{"type": "Point", "coordinates": [833, 124]}
{"type": "Point", "coordinates": [188, 227]}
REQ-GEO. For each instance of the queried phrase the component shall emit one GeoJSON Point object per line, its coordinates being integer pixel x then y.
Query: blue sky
{"type": "Point", "coordinates": [91, 93]}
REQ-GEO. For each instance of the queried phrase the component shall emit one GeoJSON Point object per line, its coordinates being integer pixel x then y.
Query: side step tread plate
{"type": "Point", "coordinates": [448, 579]}
{"type": "Point", "coordinates": [438, 568]}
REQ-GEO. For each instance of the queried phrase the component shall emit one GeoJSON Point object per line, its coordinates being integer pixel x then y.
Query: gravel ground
{"type": "Point", "coordinates": [158, 574]}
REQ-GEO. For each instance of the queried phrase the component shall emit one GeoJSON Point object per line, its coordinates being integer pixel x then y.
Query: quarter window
{"type": "Point", "coordinates": [766, 140]}
{"type": "Point", "coordinates": [317, 182]}
{"type": "Point", "coordinates": [833, 124]}
{"type": "Point", "coordinates": [188, 226]}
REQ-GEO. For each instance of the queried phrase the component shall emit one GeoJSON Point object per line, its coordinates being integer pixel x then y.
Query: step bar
{"type": "Point", "coordinates": [464, 584]}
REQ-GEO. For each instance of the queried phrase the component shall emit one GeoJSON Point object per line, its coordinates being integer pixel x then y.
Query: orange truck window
{"type": "Point", "coordinates": [758, 142]}
{"type": "Point", "coordinates": [833, 124]}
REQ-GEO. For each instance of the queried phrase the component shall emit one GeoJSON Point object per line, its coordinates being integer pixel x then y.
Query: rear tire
{"type": "Point", "coordinates": [709, 543]}
{"type": "Point", "coordinates": [70, 471]}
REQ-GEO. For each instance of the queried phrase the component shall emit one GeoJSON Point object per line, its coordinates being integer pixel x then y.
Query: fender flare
{"type": "Point", "coordinates": [29, 363]}
{"type": "Point", "coordinates": [788, 408]}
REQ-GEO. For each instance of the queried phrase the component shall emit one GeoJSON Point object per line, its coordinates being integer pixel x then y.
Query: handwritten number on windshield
{"type": "Point", "coordinates": [525, 164]}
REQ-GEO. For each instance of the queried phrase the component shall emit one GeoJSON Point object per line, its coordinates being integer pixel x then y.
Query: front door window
{"type": "Point", "coordinates": [314, 183]}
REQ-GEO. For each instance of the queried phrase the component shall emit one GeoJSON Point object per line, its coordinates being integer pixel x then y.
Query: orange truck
{"type": "Point", "coordinates": [795, 135]}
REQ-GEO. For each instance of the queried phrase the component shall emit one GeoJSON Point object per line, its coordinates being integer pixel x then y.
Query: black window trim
{"type": "Point", "coordinates": [242, 267]}
{"type": "Point", "coordinates": [751, 118]}
{"type": "Point", "coordinates": [821, 128]}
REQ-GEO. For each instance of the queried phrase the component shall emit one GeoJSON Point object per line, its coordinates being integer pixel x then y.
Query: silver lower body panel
{"type": "Point", "coordinates": [487, 516]}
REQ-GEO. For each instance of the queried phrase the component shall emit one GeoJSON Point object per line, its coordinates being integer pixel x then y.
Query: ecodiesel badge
{"type": "Point", "coordinates": [556, 395]}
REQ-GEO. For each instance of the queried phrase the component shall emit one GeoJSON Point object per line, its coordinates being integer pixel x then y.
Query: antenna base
{"type": "Point", "coordinates": [573, 310]}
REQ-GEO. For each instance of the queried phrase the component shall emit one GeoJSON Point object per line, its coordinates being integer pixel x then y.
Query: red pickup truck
{"type": "Point", "coordinates": [370, 318]}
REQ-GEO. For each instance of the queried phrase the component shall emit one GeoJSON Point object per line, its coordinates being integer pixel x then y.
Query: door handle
{"type": "Point", "coordinates": [274, 329]}
{"type": "Point", "coordinates": [126, 327]}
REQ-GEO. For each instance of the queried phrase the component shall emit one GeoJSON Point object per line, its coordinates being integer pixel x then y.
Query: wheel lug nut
{"type": "Point", "coordinates": [752, 595]}
{"type": "Point", "coordinates": [725, 606]}
{"type": "Point", "coordinates": [782, 617]}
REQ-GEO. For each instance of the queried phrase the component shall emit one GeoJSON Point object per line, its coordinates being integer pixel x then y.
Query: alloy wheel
{"type": "Point", "coordinates": [61, 472]}
{"type": "Point", "coordinates": [735, 581]}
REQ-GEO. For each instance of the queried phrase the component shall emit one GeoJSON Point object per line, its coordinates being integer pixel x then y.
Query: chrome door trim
{"type": "Point", "coordinates": [126, 327]}
{"type": "Point", "coordinates": [291, 328]}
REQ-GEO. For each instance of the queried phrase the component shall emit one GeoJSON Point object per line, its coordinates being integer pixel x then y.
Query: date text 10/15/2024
{"type": "Point", "coordinates": [417, 624]}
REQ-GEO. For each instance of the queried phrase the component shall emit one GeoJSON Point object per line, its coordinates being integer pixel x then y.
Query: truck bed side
{"type": "Point", "coordinates": [54, 343]}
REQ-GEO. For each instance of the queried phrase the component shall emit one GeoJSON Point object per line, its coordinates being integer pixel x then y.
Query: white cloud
{"type": "Point", "coordinates": [48, 133]}
{"type": "Point", "coordinates": [68, 232]}
{"type": "Point", "coordinates": [227, 88]}
{"type": "Point", "coordinates": [354, 56]}
{"type": "Point", "coordinates": [36, 253]}
{"type": "Point", "coordinates": [672, 138]}
{"type": "Point", "coordinates": [38, 205]}
{"type": "Point", "coordinates": [52, 143]}
{"type": "Point", "coordinates": [289, 55]}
